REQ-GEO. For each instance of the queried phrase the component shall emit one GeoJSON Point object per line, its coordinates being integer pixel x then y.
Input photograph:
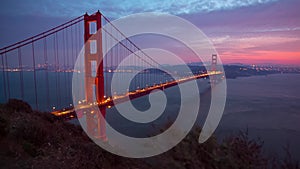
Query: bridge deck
{"type": "Point", "coordinates": [69, 113]}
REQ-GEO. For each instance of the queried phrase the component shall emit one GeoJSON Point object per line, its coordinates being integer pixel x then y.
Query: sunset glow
{"type": "Point", "coordinates": [249, 32]}
{"type": "Point", "coordinates": [260, 49]}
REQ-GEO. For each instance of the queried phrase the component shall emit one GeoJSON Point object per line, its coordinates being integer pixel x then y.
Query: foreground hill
{"type": "Point", "coordinates": [30, 139]}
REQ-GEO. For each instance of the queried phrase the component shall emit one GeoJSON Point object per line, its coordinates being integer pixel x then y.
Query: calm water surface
{"type": "Point", "coordinates": [269, 107]}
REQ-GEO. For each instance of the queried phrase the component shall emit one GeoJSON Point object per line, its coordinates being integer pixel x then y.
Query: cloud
{"type": "Point", "coordinates": [273, 47]}
{"type": "Point", "coordinates": [248, 30]}
{"type": "Point", "coordinates": [118, 8]}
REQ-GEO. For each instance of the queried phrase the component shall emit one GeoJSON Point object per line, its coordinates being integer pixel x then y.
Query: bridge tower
{"type": "Point", "coordinates": [213, 62]}
{"type": "Point", "coordinates": [213, 79]}
{"type": "Point", "coordinates": [94, 79]}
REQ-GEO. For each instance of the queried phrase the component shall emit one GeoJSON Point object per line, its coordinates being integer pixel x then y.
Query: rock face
{"type": "Point", "coordinates": [30, 139]}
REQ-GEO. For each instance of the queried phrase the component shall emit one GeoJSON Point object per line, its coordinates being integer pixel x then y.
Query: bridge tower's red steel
{"type": "Point", "coordinates": [94, 83]}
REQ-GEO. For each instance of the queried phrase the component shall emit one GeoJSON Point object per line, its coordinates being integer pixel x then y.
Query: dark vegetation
{"type": "Point", "coordinates": [30, 139]}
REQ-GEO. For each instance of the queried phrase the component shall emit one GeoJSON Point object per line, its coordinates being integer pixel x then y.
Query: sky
{"type": "Point", "coordinates": [243, 31]}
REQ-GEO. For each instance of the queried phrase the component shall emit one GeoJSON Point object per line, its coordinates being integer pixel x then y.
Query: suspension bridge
{"type": "Point", "coordinates": [39, 70]}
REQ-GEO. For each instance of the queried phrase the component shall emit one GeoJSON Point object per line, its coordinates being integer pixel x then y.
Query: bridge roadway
{"type": "Point", "coordinates": [69, 113]}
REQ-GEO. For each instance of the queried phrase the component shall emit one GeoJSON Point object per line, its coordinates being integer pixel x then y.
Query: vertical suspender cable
{"type": "Point", "coordinates": [58, 68]}
{"type": "Point", "coordinates": [56, 71]}
{"type": "Point", "coordinates": [67, 50]}
{"type": "Point", "coordinates": [64, 65]}
{"type": "Point", "coordinates": [46, 72]}
{"type": "Point", "coordinates": [111, 62]}
{"type": "Point", "coordinates": [3, 76]}
{"type": "Point", "coordinates": [7, 76]}
{"type": "Point", "coordinates": [34, 75]}
{"type": "Point", "coordinates": [21, 73]}
{"type": "Point", "coordinates": [72, 48]}
{"type": "Point", "coordinates": [106, 65]}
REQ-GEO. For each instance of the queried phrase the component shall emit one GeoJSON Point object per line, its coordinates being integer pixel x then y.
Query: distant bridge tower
{"type": "Point", "coordinates": [94, 82]}
{"type": "Point", "coordinates": [213, 62]}
{"type": "Point", "coordinates": [213, 79]}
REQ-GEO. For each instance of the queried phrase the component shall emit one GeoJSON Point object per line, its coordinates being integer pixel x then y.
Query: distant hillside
{"type": "Point", "coordinates": [30, 139]}
{"type": "Point", "coordinates": [234, 71]}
